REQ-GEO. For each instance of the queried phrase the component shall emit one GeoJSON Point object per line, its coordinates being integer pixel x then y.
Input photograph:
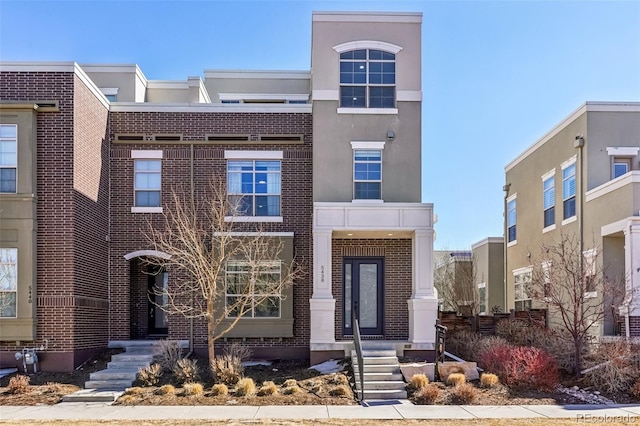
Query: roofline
{"type": "Point", "coordinates": [202, 107]}
{"type": "Point", "coordinates": [586, 107]}
{"type": "Point", "coordinates": [271, 74]}
{"type": "Point", "coordinates": [487, 240]}
{"type": "Point", "coordinates": [336, 16]}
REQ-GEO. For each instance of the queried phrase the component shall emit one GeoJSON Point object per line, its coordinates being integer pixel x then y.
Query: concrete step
{"type": "Point", "coordinates": [382, 385]}
{"type": "Point", "coordinates": [377, 368]}
{"type": "Point", "coordinates": [93, 395]}
{"type": "Point", "coordinates": [368, 353]}
{"type": "Point", "coordinates": [372, 360]}
{"type": "Point", "coordinates": [108, 384]}
{"type": "Point", "coordinates": [127, 357]}
{"type": "Point", "coordinates": [125, 365]}
{"type": "Point", "coordinates": [139, 350]}
{"type": "Point", "coordinates": [381, 376]}
{"type": "Point", "coordinates": [115, 374]}
{"type": "Point", "coordinates": [384, 394]}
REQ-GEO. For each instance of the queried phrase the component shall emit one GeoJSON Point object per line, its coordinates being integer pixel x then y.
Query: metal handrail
{"type": "Point", "coordinates": [357, 341]}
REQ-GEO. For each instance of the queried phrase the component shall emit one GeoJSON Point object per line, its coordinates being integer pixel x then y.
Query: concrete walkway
{"type": "Point", "coordinates": [378, 410]}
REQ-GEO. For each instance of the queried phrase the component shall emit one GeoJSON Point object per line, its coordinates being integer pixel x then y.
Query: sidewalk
{"type": "Point", "coordinates": [378, 410]}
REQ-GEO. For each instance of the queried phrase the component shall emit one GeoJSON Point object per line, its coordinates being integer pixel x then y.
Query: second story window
{"type": "Point", "coordinates": [8, 157]}
{"type": "Point", "coordinates": [147, 178]}
{"type": "Point", "coordinates": [367, 174]}
{"type": "Point", "coordinates": [569, 191]}
{"type": "Point", "coordinates": [621, 166]}
{"type": "Point", "coordinates": [254, 186]}
{"type": "Point", "coordinates": [511, 220]}
{"type": "Point", "coordinates": [367, 79]}
{"type": "Point", "coordinates": [549, 201]}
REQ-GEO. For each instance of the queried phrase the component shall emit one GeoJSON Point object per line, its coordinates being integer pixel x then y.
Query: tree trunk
{"type": "Point", "coordinates": [210, 339]}
{"type": "Point", "coordinates": [578, 356]}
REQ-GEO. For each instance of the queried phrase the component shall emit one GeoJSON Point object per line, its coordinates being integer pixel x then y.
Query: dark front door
{"type": "Point", "coordinates": [363, 295]}
{"type": "Point", "coordinates": [158, 281]}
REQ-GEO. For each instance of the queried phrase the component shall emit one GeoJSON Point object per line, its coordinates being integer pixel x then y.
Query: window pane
{"type": "Point", "coordinates": [381, 97]}
{"type": "Point", "coordinates": [352, 97]}
{"type": "Point", "coordinates": [239, 165]}
{"type": "Point", "coordinates": [8, 304]}
{"type": "Point", "coordinates": [147, 199]}
{"type": "Point", "coordinates": [354, 54]}
{"type": "Point", "coordinates": [267, 205]}
{"type": "Point", "coordinates": [234, 183]}
{"type": "Point", "coordinates": [362, 155]}
{"type": "Point", "coordinates": [8, 131]}
{"type": "Point", "coordinates": [8, 180]}
{"type": "Point", "coordinates": [512, 233]}
{"type": "Point", "coordinates": [347, 295]}
{"type": "Point", "coordinates": [241, 205]}
{"type": "Point", "coordinates": [549, 216]}
{"type": "Point", "coordinates": [270, 307]}
{"type": "Point", "coordinates": [569, 209]}
{"type": "Point", "coordinates": [619, 169]}
{"type": "Point", "coordinates": [268, 166]}
{"type": "Point", "coordinates": [511, 213]}
{"type": "Point", "coordinates": [367, 190]}
{"type": "Point", "coordinates": [147, 165]}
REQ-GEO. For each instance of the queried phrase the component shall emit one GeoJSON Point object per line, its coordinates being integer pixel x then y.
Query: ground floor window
{"type": "Point", "coordinates": [8, 282]}
{"type": "Point", "coordinates": [522, 284]}
{"type": "Point", "coordinates": [253, 289]}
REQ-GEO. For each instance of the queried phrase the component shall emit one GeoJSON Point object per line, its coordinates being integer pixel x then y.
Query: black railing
{"type": "Point", "coordinates": [357, 341]}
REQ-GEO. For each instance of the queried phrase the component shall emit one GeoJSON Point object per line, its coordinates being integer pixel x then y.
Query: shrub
{"type": "Point", "coordinates": [456, 379]}
{"type": "Point", "coordinates": [635, 390]}
{"type": "Point", "coordinates": [464, 344]}
{"type": "Point", "coordinates": [219, 389]}
{"type": "Point", "coordinates": [340, 390]}
{"type": "Point", "coordinates": [150, 376]}
{"type": "Point", "coordinates": [489, 380]}
{"type": "Point", "coordinates": [290, 390]}
{"type": "Point", "coordinates": [267, 388]}
{"type": "Point", "coordinates": [338, 379]}
{"type": "Point", "coordinates": [193, 389]}
{"type": "Point", "coordinates": [522, 367]}
{"type": "Point", "coordinates": [486, 343]}
{"type": "Point", "coordinates": [290, 382]}
{"type": "Point", "coordinates": [427, 395]}
{"type": "Point", "coordinates": [464, 393]}
{"type": "Point", "coordinates": [418, 381]}
{"type": "Point", "coordinates": [19, 384]}
{"type": "Point", "coordinates": [514, 331]}
{"type": "Point", "coordinates": [134, 391]}
{"type": "Point", "coordinates": [617, 366]}
{"type": "Point", "coordinates": [228, 366]}
{"type": "Point", "coordinates": [245, 387]}
{"type": "Point", "coordinates": [52, 387]}
{"type": "Point", "coordinates": [165, 390]}
{"type": "Point", "coordinates": [169, 354]}
{"type": "Point", "coordinates": [186, 370]}
{"type": "Point", "coordinates": [127, 399]}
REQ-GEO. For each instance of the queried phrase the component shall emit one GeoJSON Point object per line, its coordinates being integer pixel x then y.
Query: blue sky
{"type": "Point", "coordinates": [496, 75]}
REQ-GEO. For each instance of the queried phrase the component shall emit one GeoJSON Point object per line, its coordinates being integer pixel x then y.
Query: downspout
{"type": "Point", "coordinates": [505, 188]}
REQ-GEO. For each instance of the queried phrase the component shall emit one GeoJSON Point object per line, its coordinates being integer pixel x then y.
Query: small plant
{"type": "Point", "coordinates": [19, 384]}
{"type": "Point", "coordinates": [489, 380]}
{"type": "Point", "coordinates": [427, 395]}
{"type": "Point", "coordinates": [340, 390]}
{"type": "Point", "coordinates": [267, 388]}
{"type": "Point", "coordinates": [245, 387]}
{"type": "Point", "coordinates": [338, 379]}
{"type": "Point", "coordinates": [290, 390]}
{"type": "Point", "coordinates": [635, 390]}
{"type": "Point", "coordinates": [52, 387]}
{"type": "Point", "coordinates": [165, 390]}
{"type": "Point", "coordinates": [169, 355]}
{"type": "Point", "coordinates": [186, 370]}
{"type": "Point", "coordinates": [134, 391]}
{"type": "Point", "coordinates": [464, 393]}
{"type": "Point", "coordinates": [150, 376]}
{"type": "Point", "coordinates": [228, 366]}
{"type": "Point", "coordinates": [418, 381]}
{"type": "Point", "coordinates": [456, 379]}
{"type": "Point", "coordinates": [191, 389]}
{"type": "Point", "coordinates": [290, 382]}
{"type": "Point", "coordinates": [219, 389]}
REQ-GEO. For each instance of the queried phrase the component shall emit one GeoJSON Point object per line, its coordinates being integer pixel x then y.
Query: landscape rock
{"type": "Point", "coordinates": [470, 369]}
{"type": "Point", "coordinates": [426, 368]}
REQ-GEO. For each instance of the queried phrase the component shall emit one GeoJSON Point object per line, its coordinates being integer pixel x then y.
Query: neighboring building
{"type": "Point", "coordinates": [583, 174]}
{"type": "Point", "coordinates": [90, 153]}
{"type": "Point", "coordinates": [488, 255]}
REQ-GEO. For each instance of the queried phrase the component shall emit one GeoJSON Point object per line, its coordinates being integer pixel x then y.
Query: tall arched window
{"type": "Point", "coordinates": [367, 79]}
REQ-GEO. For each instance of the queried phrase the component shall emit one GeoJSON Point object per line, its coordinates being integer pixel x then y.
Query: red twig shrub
{"type": "Point", "coordinates": [522, 367]}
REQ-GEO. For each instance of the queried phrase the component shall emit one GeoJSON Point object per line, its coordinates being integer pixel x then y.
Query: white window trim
{"type": "Point", "coordinates": [146, 154]}
{"type": "Point", "coordinates": [253, 218]}
{"type": "Point", "coordinates": [548, 175]}
{"type": "Point", "coordinates": [549, 228]}
{"type": "Point", "coordinates": [109, 90]}
{"type": "Point", "coordinates": [367, 145]}
{"type": "Point", "coordinates": [623, 151]}
{"type": "Point", "coordinates": [146, 209]}
{"type": "Point", "coordinates": [387, 111]}
{"type": "Point", "coordinates": [569, 219]}
{"type": "Point", "coordinates": [569, 162]}
{"type": "Point", "coordinates": [367, 44]}
{"type": "Point", "coordinates": [253, 155]}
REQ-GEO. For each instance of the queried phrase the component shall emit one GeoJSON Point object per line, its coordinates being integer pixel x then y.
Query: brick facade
{"type": "Point", "coordinates": [634, 327]}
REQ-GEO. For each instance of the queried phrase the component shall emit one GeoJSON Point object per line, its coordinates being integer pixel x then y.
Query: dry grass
{"type": "Point", "coordinates": [290, 382]}
{"type": "Point", "coordinates": [418, 381]}
{"type": "Point", "coordinates": [489, 380]}
{"type": "Point", "coordinates": [426, 395]}
{"type": "Point", "coordinates": [245, 387]}
{"type": "Point", "coordinates": [192, 389]}
{"type": "Point", "coordinates": [464, 393]}
{"type": "Point", "coordinates": [291, 390]}
{"type": "Point", "coordinates": [340, 390]}
{"type": "Point", "coordinates": [267, 388]}
{"type": "Point", "coordinates": [19, 384]}
{"type": "Point", "coordinates": [186, 370]}
{"type": "Point", "coordinates": [150, 376]}
{"type": "Point", "coordinates": [166, 390]}
{"type": "Point", "coordinates": [134, 391]}
{"type": "Point", "coordinates": [456, 379]}
{"type": "Point", "coordinates": [219, 389]}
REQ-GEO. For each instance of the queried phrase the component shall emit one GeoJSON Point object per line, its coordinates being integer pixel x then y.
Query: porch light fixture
{"type": "Point", "coordinates": [391, 135]}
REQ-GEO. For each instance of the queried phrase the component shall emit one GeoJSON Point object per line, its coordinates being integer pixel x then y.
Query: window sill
{"type": "Point", "coordinates": [253, 219]}
{"type": "Point", "coordinates": [512, 243]}
{"type": "Point", "coordinates": [146, 209]}
{"type": "Point", "coordinates": [569, 220]}
{"type": "Point", "coordinates": [390, 111]}
{"type": "Point", "coordinates": [549, 228]}
{"type": "Point", "coordinates": [367, 201]}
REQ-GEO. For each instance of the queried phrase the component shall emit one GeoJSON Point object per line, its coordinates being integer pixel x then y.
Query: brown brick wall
{"type": "Point", "coordinates": [634, 327]}
{"type": "Point", "coordinates": [127, 228]}
{"type": "Point", "coordinates": [397, 280]}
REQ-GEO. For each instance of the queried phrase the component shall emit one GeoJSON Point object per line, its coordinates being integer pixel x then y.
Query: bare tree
{"type": "Point", "coordinates": [225, 268]}
{"type": "Point", "coordinates": [455, 280]}
{"type": "Point", "coordinates": [578, 294]}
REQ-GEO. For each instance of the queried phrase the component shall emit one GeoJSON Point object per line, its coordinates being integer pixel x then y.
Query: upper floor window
{"type": "Point", "coordinates": [549, 201]}
{"type": "Point", "coordinates": [253, 290]}
{"type": "Point", "coordinates": [8, 157]}
{"type": "Point", "coordinates": [367, 79]}
{"type": "Point", "coordinates": [569, 191]}
{"type": "Point", "coordinates": [254, 187]}
{"type": "Point", "coordinates": [367, 174]}
{"type": "Point", "coordinates": [8, 282]}
{"type": "Point", "coordinates": [621, 166]}
{"type": "Point", "coordinates": [511, 220]}
{"type": "Point", "coordinates": [147, 178]}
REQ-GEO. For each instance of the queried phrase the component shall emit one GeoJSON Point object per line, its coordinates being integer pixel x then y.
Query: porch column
{"type": "Point", "coordinates": [632, 265]}
{"type": "Point", "coordinates": [423, 305]}
{"type": "Point", "coordinates": [322, 304]}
